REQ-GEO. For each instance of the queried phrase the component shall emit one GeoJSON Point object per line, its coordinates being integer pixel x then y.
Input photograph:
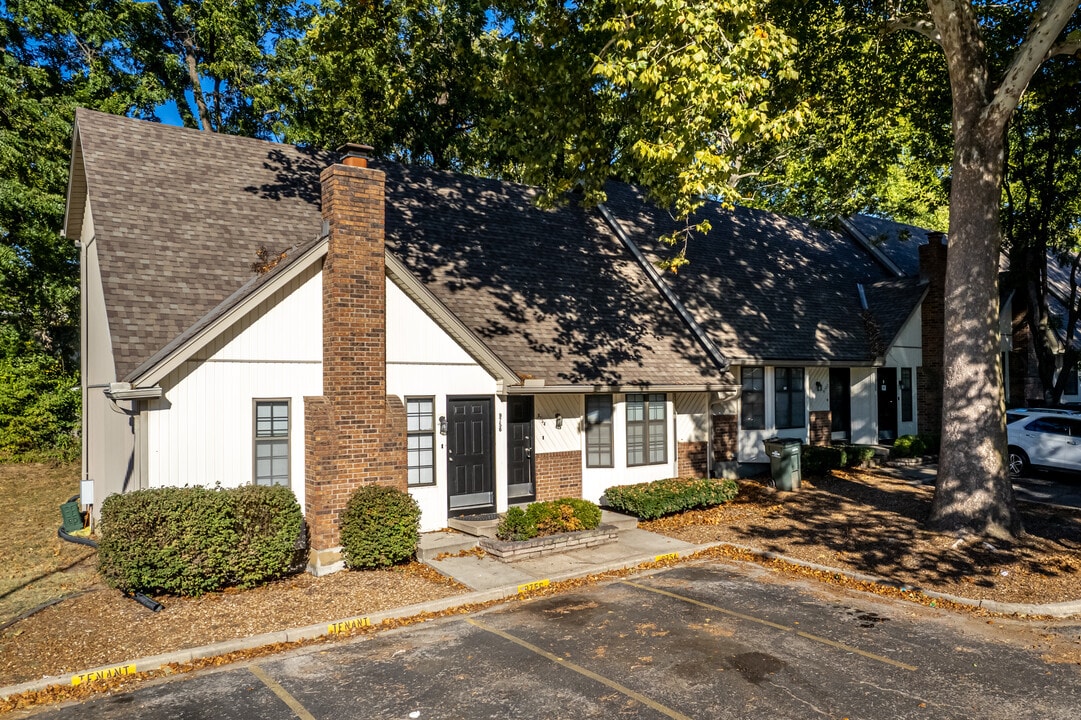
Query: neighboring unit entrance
{"type": "Point", "coordinates": [470, 461]}
{"type": "Point", "coordinates": [520, 479]}
{"type": "Point", "coordinates": [840, 403]}
{"type": "Point", "coordinates": [887, 404]}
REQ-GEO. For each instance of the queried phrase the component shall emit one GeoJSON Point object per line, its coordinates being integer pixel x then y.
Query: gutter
{"type": "Point", "coordinates": [651, 272]}
{"type": "Point", "coordinates": [124, 391]}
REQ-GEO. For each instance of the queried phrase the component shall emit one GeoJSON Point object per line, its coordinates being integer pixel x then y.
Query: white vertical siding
{"type": "Point", "coordinates": [692, 416]}
{"type": "Point", "coordinates": [201, 431]}
{"type": "Point", "coordinates": [550, 439]}
{"type": "Point", "coordinates": [818, 400]}
{"type": "Point", "coordinates": [864, 406]}
{"type": "Point", "coordinates": [907, 348]}
{"type": "Point", "coordinates": [423, 361]}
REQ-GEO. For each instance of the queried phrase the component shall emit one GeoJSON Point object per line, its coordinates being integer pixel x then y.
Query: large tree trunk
{"type": "Point", "coordinates": [974, 492]}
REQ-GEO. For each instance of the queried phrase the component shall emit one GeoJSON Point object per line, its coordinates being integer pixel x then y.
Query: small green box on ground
{"type": "Point", "coordinates": [73, 517]}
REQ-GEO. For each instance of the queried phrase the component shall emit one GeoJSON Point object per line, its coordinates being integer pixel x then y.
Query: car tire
{"type": "Point", "coordinates": [1017, 462]}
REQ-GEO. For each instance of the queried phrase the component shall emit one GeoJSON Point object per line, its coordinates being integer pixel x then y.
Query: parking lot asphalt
{"type": "Point", "coordinates": [704, 640]}
{"type": "Point", "coordinates": [1048, 487]}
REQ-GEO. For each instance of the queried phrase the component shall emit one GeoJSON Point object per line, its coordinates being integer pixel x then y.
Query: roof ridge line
{"type": "Point", "coordinates": [651, 272]}
{"type": "Point", "coordinates": [865, 242]}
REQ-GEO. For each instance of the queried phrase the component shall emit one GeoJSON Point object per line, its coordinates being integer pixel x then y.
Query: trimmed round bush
{"type": "Point", "coordinates": [193, 540]}
{"type": "Point", "coordinates": [908, 446]}
{"type": "Point", "coordinates": [380, 527]}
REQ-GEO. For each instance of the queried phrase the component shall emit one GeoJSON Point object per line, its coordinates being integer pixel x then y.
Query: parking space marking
{"type": "Point", "coordinates": [776, 626]}
{"type": "Point", "coordinates": [299, 710]}
{"type": "Point", "coordinates": [652, 704]}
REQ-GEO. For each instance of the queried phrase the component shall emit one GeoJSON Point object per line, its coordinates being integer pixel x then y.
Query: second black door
{"type": "Point", "coordinates": [520, 478]}
{"type": "Point", "coordinates": [887, 404]}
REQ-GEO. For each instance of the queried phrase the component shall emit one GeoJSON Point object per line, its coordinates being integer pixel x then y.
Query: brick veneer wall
{"type": "Point", "coordinates": [933, 320]}
{"type": "Point", "coordinates": [725, 438]}
{"type": "Point", "coordinates": [559, 475]}
{"type": "Point", "coordinates": [821, 422]}
{"type": "Point", "coordinates": [354, 433]}
{"type": "Point", "coordinates": [691, 457]}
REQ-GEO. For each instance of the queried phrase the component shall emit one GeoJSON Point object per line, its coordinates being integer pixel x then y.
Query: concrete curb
{"type": "Point", "coordinates": [156, 662]}
{"type": "Point", "coordinates": [312, 632]}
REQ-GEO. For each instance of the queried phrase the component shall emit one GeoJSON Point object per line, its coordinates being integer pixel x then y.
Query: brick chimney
{"type": "Point", "coordinates": [354, 433]}
{"type": "Point", "coordinates": [933, 321]}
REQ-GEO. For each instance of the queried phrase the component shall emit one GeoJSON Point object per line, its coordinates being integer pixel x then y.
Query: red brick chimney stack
{"type": "Point", "coordinates": [354, 433]}
{"type": "Point", "coordinates": [933, 321]}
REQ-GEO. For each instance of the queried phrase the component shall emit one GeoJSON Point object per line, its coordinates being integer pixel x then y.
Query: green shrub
{"type": "Point", "coordinates": [908, 446]}
{"type": "Point", "coordinates": [39, 410]}
{"type": "Point", "coordinates": [192, 540]}
{"type": "Point", "coordinates": [652, 500]}
{"type": "Point", "coordinates": [380, 527]}
{"type": "Point", "coordinates": [931, 443]}
{"type": "Point", "coordinates": [274, 543]}
{"type": "Point", "coordinates": [515, 525]}
{"type": "Point", "coordinates": [548, 518]}
{"type": "Point", "coordinates": [820, 459]}
{"type": "Point", "coordinates": [859, 455]}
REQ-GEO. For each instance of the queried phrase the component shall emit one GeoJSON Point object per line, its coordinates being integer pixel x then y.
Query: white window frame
{"type": "Point", "coordinates": [420, 432]}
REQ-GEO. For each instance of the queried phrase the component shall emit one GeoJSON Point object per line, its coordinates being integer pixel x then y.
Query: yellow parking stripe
{"type": "Point", "coordinates": [653, 704]}
{"type": "Point", "coordinates": [299, 710]}
{"type": "Point", "coordinates": [776, 626]}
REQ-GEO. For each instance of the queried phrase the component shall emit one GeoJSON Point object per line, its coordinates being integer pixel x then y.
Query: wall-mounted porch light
{"type": "Point", "coordinates": [559, 421]}
{"type": "Point", "coordinates": [442, 424]}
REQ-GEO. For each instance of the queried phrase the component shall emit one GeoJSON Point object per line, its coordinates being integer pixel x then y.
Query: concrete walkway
{"type": "Point", "coordinates": [633, 547]}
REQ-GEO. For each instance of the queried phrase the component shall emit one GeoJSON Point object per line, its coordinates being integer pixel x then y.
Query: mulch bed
{"type": "Point", "coordinates": [872, 523]}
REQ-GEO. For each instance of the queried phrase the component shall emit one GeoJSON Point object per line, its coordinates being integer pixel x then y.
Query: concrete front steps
{"type": "Point", "coordinates": [464, 533]}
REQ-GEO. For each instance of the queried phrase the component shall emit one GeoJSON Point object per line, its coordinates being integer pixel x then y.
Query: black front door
{"type": "Point", "coordinates": [520, 486]}
{"type": "Point", "coordinates": [887, 404]}
{"type": "Point", "coordinates": [841, 401]}
{"type": "Point", "coordinates": [470, 464]}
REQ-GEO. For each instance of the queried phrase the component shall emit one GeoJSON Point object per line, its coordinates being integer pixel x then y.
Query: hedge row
{"type": "Point", "coordinates": [820, 459]}
{"type": "Point", "coordinates": [548, 518]}
{"type": "Point", "coordinates": [192, 540]}
{"type": "Point", "coordinates": [662, 497]}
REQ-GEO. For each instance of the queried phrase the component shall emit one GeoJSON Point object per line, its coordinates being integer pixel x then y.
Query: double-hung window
{"type": "Point", "coordinates": [753, 398]}
{"type": "Point", "coordinates": [599, 431]}
{"type": "Point", "coordinates": [272, 442]}
{"type": "Point", "coordinates": [420, 413]}
{"type": "Point", "coordinates": [647, 429]}
{"type": "Point", "coordinates": [789, 397]}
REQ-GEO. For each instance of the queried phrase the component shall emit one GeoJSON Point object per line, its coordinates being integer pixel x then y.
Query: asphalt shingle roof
{"type": "Point", "coordinates": [767, 287]}
{"type": "Point", "coordinates": [552, 292]}
{"type": "Point", "coordinates": [897, 241]}
{"type": "Point", "coordinates": [179, 216]}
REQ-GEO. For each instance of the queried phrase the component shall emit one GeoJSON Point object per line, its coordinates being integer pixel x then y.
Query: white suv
{"type": "Point", "coordinates": [1045, 439]}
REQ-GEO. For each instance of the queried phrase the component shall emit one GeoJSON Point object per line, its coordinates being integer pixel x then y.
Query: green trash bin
{"type": "Point", "coordinates": [784, 464]}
